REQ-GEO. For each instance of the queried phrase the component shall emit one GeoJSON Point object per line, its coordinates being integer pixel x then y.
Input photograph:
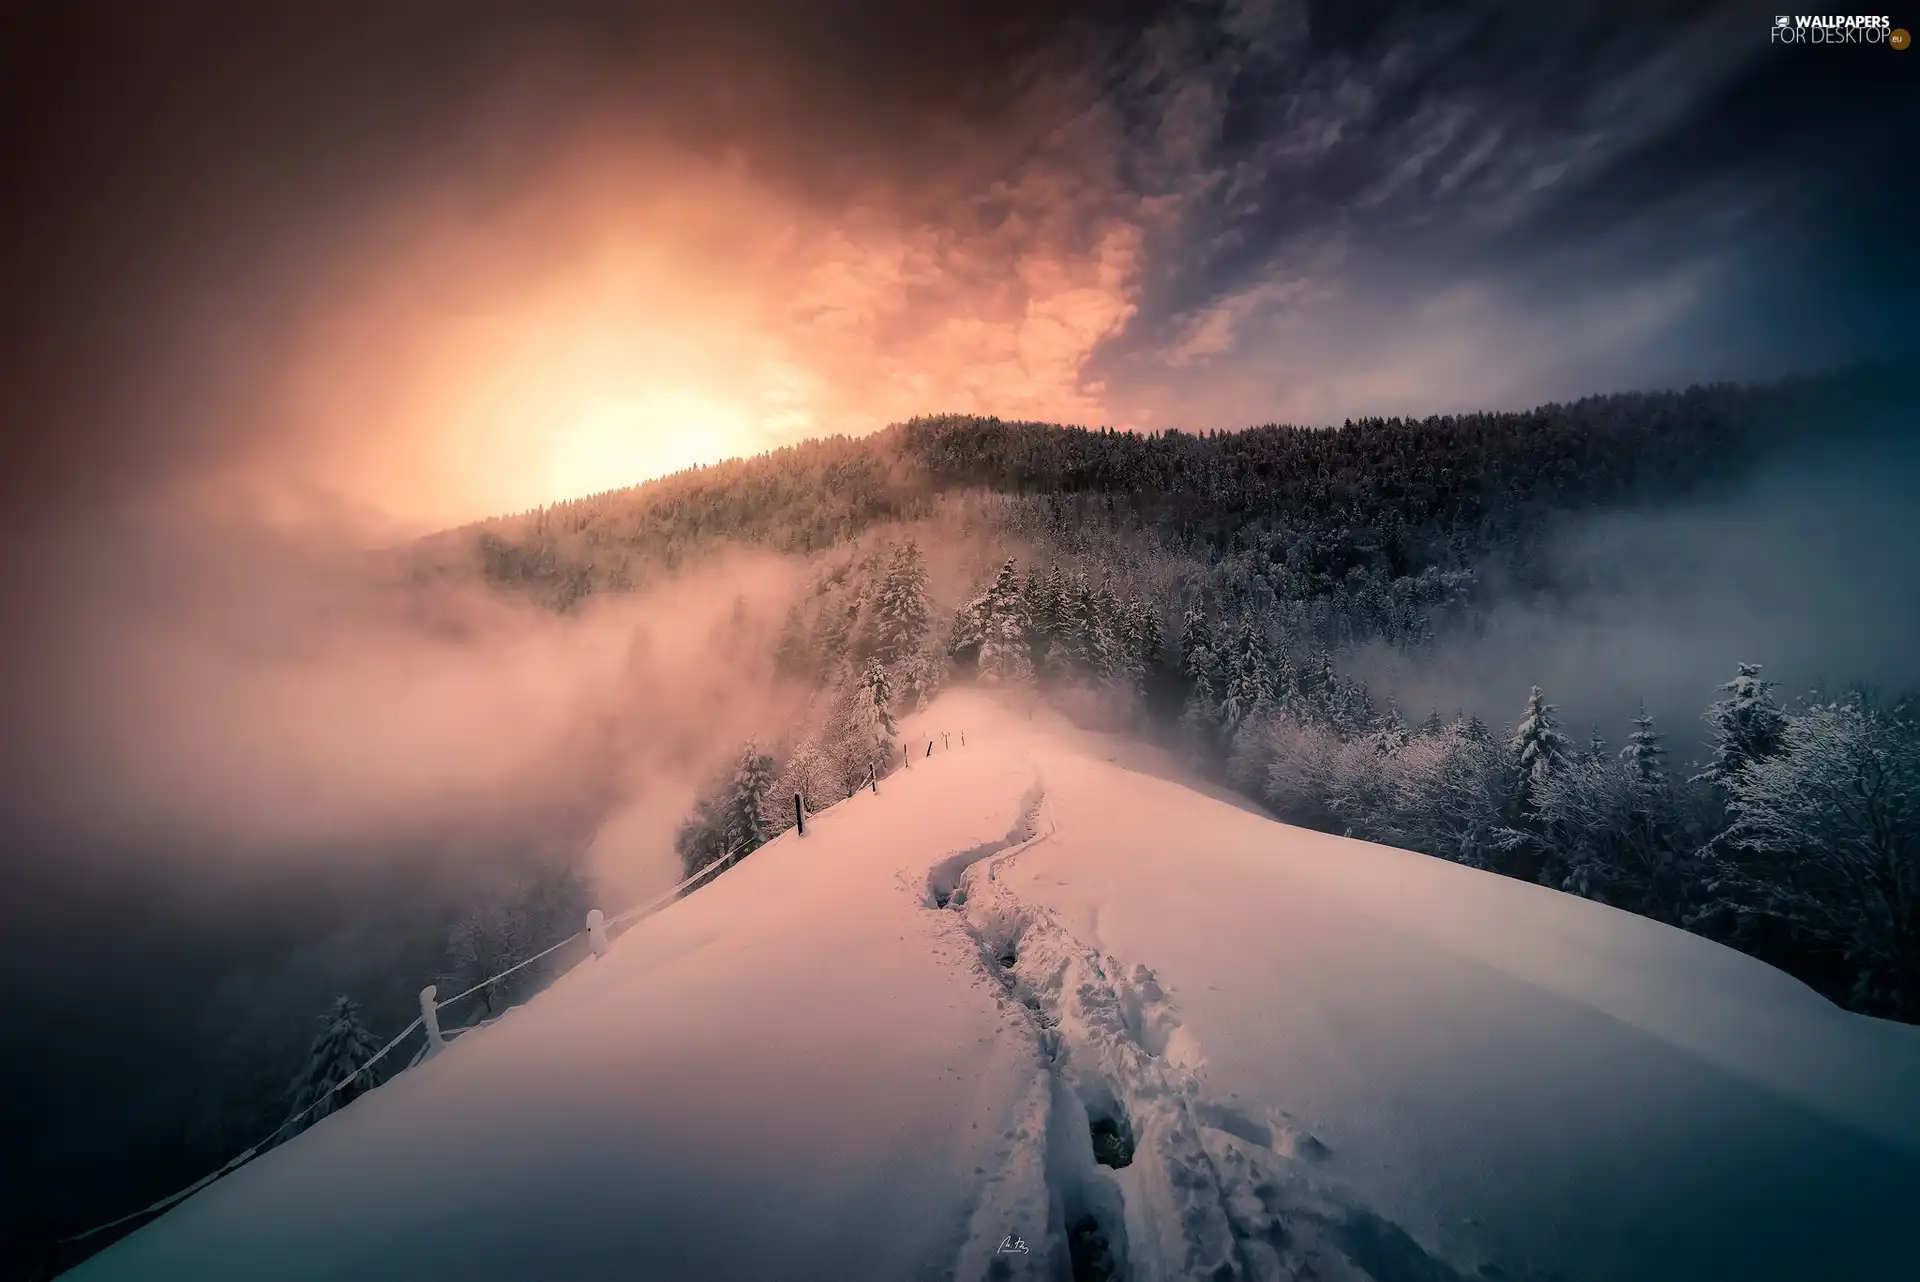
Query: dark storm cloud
{"type": "Point", "coordinates": [1655, 189]}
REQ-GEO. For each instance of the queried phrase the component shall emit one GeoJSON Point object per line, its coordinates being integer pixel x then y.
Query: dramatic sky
{"type": "Point", "coordinates": [274, 272]}
{"type": "Point", "coordinates": [420, 262]}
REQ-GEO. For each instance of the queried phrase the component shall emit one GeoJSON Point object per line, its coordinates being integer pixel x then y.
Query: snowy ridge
{"type": "Point", "coordinates": [1039, 1010]}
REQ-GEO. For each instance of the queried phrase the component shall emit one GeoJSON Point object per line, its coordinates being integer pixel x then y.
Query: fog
{"type": "Point", "coordinates": [1810, 566]}
{"type": "Point", "coordinates": [250, 768]}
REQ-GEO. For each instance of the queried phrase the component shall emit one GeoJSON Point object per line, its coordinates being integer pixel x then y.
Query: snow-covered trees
{"type": "Point", "coordinates": [518, 918]}
{"type": "Point", "coordinates": [1539, 749]}
{"type": "Point", "coordinates": [1645, 751]}
{"type": "Point", "coordinates": [872, 704]}
{"type": "Point", "coordinates": [1440, 789]}
{"type": "Point", "coordinates": [1747, 725]}
{"type": "Point", "coordinates": [343, 1046]}
{"type": "Point", "coordinates": [1000, 620]}
{"type": "Point", "coordinates": [483, 943]}
{"type": "Point", "coordinates": [733, 821]}
{"type": "Point", "coordinates": [1825, 838]}
{"type": "Point", "coordinates": [901, 607]}
{"type": "Point", "coordinates": [1602, 829]}
{"type": "Point", "coordinates": [1200, 716]}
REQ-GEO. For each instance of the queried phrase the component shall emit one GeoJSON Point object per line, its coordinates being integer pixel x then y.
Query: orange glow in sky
{"type": "Point", "coordinates": [640, 317]}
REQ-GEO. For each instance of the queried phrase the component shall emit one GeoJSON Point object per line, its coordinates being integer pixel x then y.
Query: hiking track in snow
{"type": "Point", "coordinates": [1135, 1172]}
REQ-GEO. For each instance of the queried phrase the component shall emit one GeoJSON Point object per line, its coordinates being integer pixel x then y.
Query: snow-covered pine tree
{"type": "Point", "coordinates": [1195, 634]}
{"type": "Point", "coordinates": [1141, 643]}
{"type": "Point", "coordinates": [1538, 747]}
{"type": "Point", "coordinates": [968, 633]}
{"type": "Point", "coordinates": [735, 818]}
{"type": "Point", "coordinates": [1747, 726]}
{"type": "Point", "coordinates": [1004, 655]}
{"type": "Point", "coordinates": [873, 710]}
{"type": "Point", "coordinates": [902, 608]}
{"type": "Point", "coordinates": [1644, 751]}
{"type": "Point", "coordinates": [1250, 687]}
{"type": "Point", "coordinates": [1105, 648]}
{"type": "Point", "coordinates": [1042, 600]}
{"type": "Point", "coordinates": [343, 1046]}
{"type": "Point", "coordinates": [746, 828]}
{"type": "Point", "coordinates": [1201, 716]}
{"type": "Point", "coordinates": [1071, 652]}
{"type": "Point", "coordinates": [921, 675]}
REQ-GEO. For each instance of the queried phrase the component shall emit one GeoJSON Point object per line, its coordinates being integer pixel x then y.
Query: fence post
{"type": "Point", "coordinates": [963, 738]}
{"type": "Point", "coordinates": [873, 779]}
{"type": "Point", "coordinates": [944, 742]}
{"type": "Point", "coordinates": [906, 755]}
{"type": "Point", "coordinates": [430, 1020]}
{"type": "Point", "coordinates": [799, 814]}
{"type": "Point", "coordinates": [929, 747]}
{"type": "Point", "coordinates": [597, 931]}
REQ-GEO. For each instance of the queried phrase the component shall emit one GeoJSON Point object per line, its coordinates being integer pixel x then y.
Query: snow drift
{"type": "Point", "coordinates": [1040, 1009]}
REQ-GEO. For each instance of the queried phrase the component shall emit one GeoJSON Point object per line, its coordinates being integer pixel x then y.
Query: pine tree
{"type": "Point", "coordinates": [1196, 634]}
{"type": "Point", "coordinates": [1250, 686]}
{"type": "Point", "coordinates": [1747, 726]}
{"type": "Point", "coordinates": [1644, 750]}
{"type": "Point", "coordinates": [1106, 647]}
{"type": "Point", "coordinates": [344, 1045]}
{"type": "Point", "coordinates": [746, 828]}
{"type": "Point", "coordinates": [874, 701]}
{"type": "Point", "coordinates": [1539, 749]}
{"type": "Point", "coordinates": [902, 607]}
{"type": "Point", "coordinates": [733, 820]}
{"type": "Point", "coordinates": [1043, 600]}
{"type": "Point", "coordinates": [1201, 716]}
{"type": "Point", "coordinates": [1005, 658]}
{"type": "Point", "coordinates": [1140, 644]}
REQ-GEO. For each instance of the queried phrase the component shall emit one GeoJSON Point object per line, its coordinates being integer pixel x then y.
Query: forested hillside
{"type": "Point", "coordinates": [1210, 589]}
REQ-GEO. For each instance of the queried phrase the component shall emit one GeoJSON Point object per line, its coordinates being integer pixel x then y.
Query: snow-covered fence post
{"type": "Point", "coordinates": [430, 1020]}
{"type": "Point", "coordinates": [906, 755]}
{"type": "Point", "coordinates": [597, 931]}
{"type": "Point", "coordinates": [963, 738]}
{"type": "Point", "coordinates": [944, 742]}
{"type": "Point", "coordinates": [799, 814]}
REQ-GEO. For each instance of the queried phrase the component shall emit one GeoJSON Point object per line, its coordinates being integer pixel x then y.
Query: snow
{"type": "Point", "coordinates": [1331, 1059]}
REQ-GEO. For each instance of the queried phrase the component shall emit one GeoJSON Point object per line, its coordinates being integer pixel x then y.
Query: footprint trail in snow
{"type": "Point", "coordinates": [1141, 1174]}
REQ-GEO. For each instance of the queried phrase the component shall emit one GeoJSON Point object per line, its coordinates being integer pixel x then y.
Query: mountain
{"type": "Point", "coordinates": [1041, 1006]}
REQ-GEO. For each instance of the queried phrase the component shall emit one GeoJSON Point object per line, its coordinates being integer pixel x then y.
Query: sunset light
{"type": "Point", "coordinates": [616, 441]}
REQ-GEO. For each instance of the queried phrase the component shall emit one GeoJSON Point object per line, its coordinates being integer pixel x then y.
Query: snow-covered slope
{"type": "Point", "coordinates": [885, 1049]}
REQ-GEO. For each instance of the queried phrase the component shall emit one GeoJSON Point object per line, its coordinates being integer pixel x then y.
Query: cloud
{"type": "Point", "coordinates": [594, 242]}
